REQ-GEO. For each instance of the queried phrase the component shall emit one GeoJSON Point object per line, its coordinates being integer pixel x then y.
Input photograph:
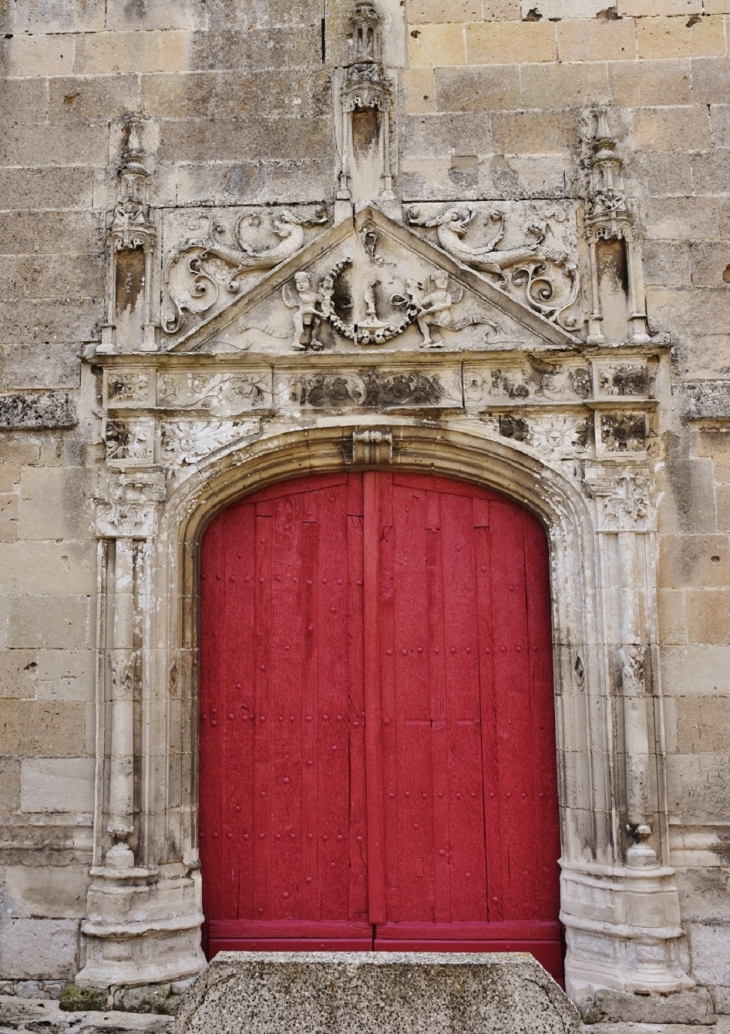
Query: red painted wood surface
{"type": "Point", "coordinates": [377, 752]}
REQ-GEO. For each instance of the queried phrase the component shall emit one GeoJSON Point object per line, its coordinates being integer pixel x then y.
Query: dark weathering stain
{"type": "Point", "coordinates": [130, 278]}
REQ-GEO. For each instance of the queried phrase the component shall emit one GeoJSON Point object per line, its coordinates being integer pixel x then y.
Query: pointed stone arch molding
{"type": "Point", "coordinates": [619, 900]}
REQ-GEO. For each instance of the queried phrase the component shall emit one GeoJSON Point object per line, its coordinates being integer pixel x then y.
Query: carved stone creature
{"type": "Point", "coordinates": [433, 309]}
{"type": "Point", "coordinates": [193, 278]}
{"type": "Point", "coordinates": [307, 301]}
{"type": "Point", "coordinates": [530, 261]}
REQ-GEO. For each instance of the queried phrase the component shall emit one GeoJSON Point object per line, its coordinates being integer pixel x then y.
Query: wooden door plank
{"type": "Point", "coordinates": [309, 659]}
{"type": "Point", "coordinates": [358, 892]}
{"type": "Point", "coordinates": [262, 743]}
{"type": "Point", "coordinates": [373, 707]}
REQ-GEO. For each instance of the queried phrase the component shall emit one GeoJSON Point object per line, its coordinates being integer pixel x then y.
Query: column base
{"type": "Point", "coordinates": [622, 931]}
{"type": "Point", "coordinates": [141, 929]}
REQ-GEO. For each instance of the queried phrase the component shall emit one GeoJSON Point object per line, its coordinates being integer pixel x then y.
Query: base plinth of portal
{"type": "Point", "coordinates": [378, 993]}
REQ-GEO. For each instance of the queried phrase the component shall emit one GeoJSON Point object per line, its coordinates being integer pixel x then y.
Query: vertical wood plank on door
{"type": "Point", "coordinates": [373, 509]}
{"type": "Point", "coordinates": [466, 815]}
{"type": "Point", "coordinates": [358, 845]}
{"type": "Point", "coordinates": [309, 658]}
{"type": "Point", "coordinates": [262, 718]}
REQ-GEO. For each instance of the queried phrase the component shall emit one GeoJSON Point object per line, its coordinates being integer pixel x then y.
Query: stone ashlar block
{"type": "Point", "coordinates": [672, 615]}
{"type": "Point", "coordinates": [23, 100]}
{"type": "Point", "coordinates": [272, 94]}
{"type": "Point", "coordinates": [92, 98]}
{"type": "Point", "coordinates": [65, 675]}
{"type": "Point", "coordinates": [652, 8]}
{"type": "Point", "coordinates": [419, 88]}
{"type": "Point", "coordinates": [597, 40]}
{"type": "Point", "coordinates": [701, 670]}
{"type": "Point", "coordinates": [561, 85]}
{"type": "Point", "coordinates": [253, 182]}
{"type": "Point", "coordinates": [51, 622]}
{"type": "Point", "coordinates": [712, 172]}
{"type": "Point", "coordinates": [695, 561]}
{"type": "Point", "coordinates": [56, 504]}
{"type": "Point", "coordinates": [30, 232]}
{"type": "Point", "coordinates": [710, 261]}
{"type": "Point", "coordinates": [685, 218]}
{"type": "Point", "coordinates": [662, 129]}
{"type": "Point", "coordinates": [60, 321]}
{"type": "Point", "coordinates": [57, 784]}
{"type": "Point", "coordinates": [50, 566]}
{"type": "Point", "coordinates": [501, 10]}
{"type": "Point", "coordinates": [18, 674]}
{"type": "Point", "coordinates": [8, 516]}
{"type": "Point", "coordinates": [283, 139]}
{"type": "Point", "coordinates": [530, 132]}
{"type": "Point", "coordinates": [46, 188]}
{"type": "Point", "coordinates": [710, 80]}
{"type": "Point", "coordinates": [32, 409]}
{"type": "Point", "coordinates": [375, 994]}
{"type": "Point", "coordinates": [256, 49]}
{"type": "Point", "coordinates": [30, 727]}
{"type": "Point", "coordinates": [708, 615]}
{"type": "Point", "coordinates": [39, 948]}
{"type": "Point", "coordinates": [54, 893]}
{"type": "Point", "coordinates": [680, 37]}
{"type": "Point", "coordinates": [710, 948]}
{"type": "Point", "coordinates": [720, 116]}
{"type": "Point", "coordinates": [667, 263]}
{"type": "Point", "coordinates": [101, 53]}
{"type": "Point", "coordinates": [689, 506]}
{"type": "Point", "coordinates": [438, 11]}
{"type": "Point", "coordinates": [39, 366]}
{"type": "Point", "coordinates": [556, 10]}
{"type": "Point", "coordinates": [10, 781]}
{"type": "Point", "coordinates": [703, 725]}
{"type": "Point", "coordinates": [478, 89]}
{"type": "Point", "coordinates": [40, 55]}
{"type": "Point", "coordinates": [499, 43]}
{"type": "Point", "coordinates": [664, 178]}
{"type": "Point", "coordinates": [155, 14]}
{"type": "Point", "coordinates": [438, 135]}
{"type": "Point", "coordinates": [257, 14]}
{"type": "Point", "coordinates": [693, 1006]}
{"type": "Point", "coordinates": [636, 84]}
{"type": "Point", "coordinates": [440, 44]}
{"type": "Point", "coordinates": [50, 16]}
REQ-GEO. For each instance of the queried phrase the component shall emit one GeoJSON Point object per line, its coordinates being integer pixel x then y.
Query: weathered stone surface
{"type": "Point", "coordinates": [387, 992]}
{"type": "Point", "coordinates": [693, 1006]}
{"type": "Point", "coordinates": [31, 409]}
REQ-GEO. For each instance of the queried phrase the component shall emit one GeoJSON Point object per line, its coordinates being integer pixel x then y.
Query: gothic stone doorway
{"type": "Point", "coordinates": [377, 745]}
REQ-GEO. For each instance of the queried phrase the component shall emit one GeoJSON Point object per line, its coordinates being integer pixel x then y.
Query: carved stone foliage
{"type": "Point", "coordinates": [622, 379]}
{"type": "Point", "coordinates": [529, 250]}
{"type": "Point", "coordinates": [205, 270]}
{"type": "Point", "coordinates": [554, 436]}
{"type": "Point", "coordinates": [184, 442]}
{"type": "Point", "coordinates": [128, 387]}
{"type": "Point", "coordinates": [130, 441]}
{"type": "Point", "coordinates": [623, 432]}
{"type": "Point", "coordinates": [374, 389]}
{"type": "Point", "coordinates": [537, 380]}
{"type": "Point", "coordinates": [624, 499]}
{"type": "Point", "coordinates": [221, 394]}
{"type": "Point", "coordinates": [128, 504]}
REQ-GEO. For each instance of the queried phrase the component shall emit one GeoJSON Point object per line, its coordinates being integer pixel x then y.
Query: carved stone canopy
{"type": "Point", "coordinates": [371, 283]}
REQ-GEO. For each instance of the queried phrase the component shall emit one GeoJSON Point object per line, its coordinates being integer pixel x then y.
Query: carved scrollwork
{"type": "Point", "coordinates": [369, 389]}
{"type": "Point", "coordinates": [198, 269]}
{"type": "Point", "coordinates": [217, 393]}
{"type": "Point", "coordinates": [547, 279]}
{"type": "Point", "coordinates": [124, 388]}
{"type": "Point", "coordinates": [623, 379]}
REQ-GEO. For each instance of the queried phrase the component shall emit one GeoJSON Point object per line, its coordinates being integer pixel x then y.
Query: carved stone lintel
{"type": "Point", "coordinates": [372, 447]}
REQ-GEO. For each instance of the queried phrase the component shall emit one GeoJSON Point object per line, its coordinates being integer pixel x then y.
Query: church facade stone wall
{"type": "Point", "coordinates": [238, 244]}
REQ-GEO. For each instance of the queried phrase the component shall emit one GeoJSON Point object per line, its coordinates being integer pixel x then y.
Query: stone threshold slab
{"type": "Point", "coordinates": [375, 993]}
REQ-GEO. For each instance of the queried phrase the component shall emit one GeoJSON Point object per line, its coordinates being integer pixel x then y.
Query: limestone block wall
{"type": "Point", "coordinates": [494, 102]}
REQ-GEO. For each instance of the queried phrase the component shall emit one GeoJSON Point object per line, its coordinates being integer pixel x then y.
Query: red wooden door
{"type": "Point", "coordinates": [377, 753]}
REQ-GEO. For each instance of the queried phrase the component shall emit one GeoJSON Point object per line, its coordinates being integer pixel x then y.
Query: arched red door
{"type": "Point", "coordinates": [377, 747]}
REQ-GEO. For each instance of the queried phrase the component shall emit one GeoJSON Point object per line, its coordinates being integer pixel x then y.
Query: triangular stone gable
{"type": "Point", "coordinates": [372, 285]}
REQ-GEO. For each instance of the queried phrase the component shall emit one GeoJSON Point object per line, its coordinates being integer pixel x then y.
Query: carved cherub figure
{"type": "Point", "coordinates": [308, 315]}
{"type": "Point", "coordinates": [435, 307]}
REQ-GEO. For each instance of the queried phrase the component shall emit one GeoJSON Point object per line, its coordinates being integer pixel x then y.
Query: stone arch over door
{"type": "Point", "coordinates": [608, 752]}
